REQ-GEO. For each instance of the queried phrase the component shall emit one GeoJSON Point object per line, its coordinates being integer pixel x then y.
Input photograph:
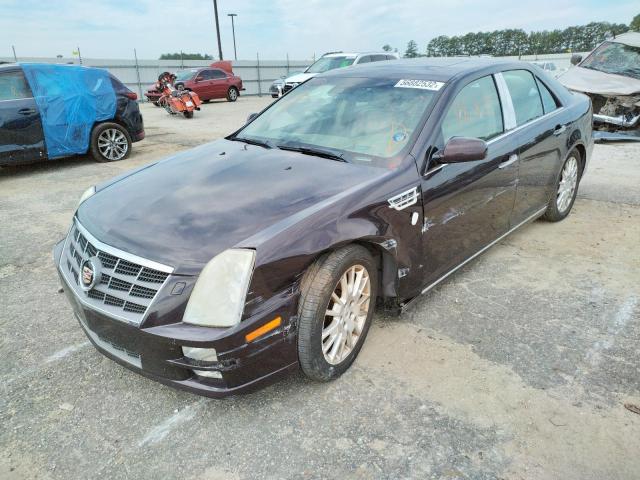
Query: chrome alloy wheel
{"type": "Point", "coordinates": [113, 144]}
{"type": "Point", "coordinates": [346, 314]}
{"type": "Point", "coordinates": [567, 185]}
{"type": "Point", "coordinates": [233, 94]}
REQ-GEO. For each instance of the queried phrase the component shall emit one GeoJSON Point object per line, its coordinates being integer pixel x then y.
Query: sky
{"type": "Point", "coordinates": [273, 28]}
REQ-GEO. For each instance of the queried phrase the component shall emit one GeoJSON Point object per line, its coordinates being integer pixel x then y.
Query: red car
{"type": "Point", "coordinates": [215, 81]}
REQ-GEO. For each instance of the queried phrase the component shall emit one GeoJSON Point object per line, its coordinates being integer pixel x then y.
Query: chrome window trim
{"type": "Point", "coordinates": [508, 111]}
{"type": "Point", "coordinates": [524, 125]}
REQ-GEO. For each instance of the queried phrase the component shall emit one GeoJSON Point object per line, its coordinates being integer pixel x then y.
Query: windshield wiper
{"type": "Point", "coordinates": [317, 152]}
{"type": "Point", "coordinates": [251, 141]}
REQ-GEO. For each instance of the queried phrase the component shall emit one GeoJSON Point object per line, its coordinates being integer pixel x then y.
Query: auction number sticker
{"type": "Point", "coordinates": [422, 84]}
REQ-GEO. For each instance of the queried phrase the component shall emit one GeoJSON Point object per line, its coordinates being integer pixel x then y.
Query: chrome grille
{"type": "Point", "coordinates": [127, 287]}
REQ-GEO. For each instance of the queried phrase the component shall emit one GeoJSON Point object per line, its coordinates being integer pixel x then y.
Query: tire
{"type": "Point", "coordinates": [206, 101]}
{"type": "Point", "coordinates": [318, 286]}
{"type": "Point", "coordinates": [274, 96]}
{"type": "Point", "coordinates": [156, 104]}
{"type": "Point", "coordinates": [232, 94]}
{"type": "Point", "coordinates": [561, 202]}
{"type": "Point", "coordinates": [188, 114]}
{"type": "Point", "coordinates": [110, 142]}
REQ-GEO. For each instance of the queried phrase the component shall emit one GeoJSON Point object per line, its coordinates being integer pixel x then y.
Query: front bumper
{"type": "Point", "coordinates": [155, 350]}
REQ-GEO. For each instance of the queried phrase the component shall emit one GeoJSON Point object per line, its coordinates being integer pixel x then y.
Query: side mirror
{"type": "Point", "coordinates": [576, 59]}
{"type": "Point", "coordinates": [462, 149]}
{"type": "Point", "coordinates": [199, 78]}
{"type": "Point", "coordinates": [251, 117]}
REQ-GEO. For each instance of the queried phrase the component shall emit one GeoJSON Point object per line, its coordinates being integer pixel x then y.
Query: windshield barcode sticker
{"type": "Point", "coordinates": [423, 84]}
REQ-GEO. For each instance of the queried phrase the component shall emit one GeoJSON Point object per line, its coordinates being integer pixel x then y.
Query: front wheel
{"type": "Point", "coordinates": [110, 142]}
{"type": "Point", "coordinates": [338, 295]}
{"type": "Point", "coordinates": [232, 94]}
{"type": "Point", "coordinates": [566, 189]}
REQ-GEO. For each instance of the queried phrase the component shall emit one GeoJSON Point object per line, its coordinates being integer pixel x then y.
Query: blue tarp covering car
{"type": "Point", "coordinates": [71, 99]}
{"type": "Point", "coordinates": [49, 111]}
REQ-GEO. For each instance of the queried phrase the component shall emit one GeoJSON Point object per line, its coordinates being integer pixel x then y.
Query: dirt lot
{"type": "Point", "coordinates": [517, 368]}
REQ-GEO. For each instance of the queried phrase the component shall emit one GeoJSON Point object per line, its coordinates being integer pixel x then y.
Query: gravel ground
{"type": "Point", "coordinates": [518, 367]}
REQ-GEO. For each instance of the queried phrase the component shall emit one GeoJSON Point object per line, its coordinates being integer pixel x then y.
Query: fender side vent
{"type": "Point", "coordinates": [404, 199]}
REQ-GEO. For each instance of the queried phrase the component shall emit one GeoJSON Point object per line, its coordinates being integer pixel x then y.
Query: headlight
{"type": "Point", "coordinates": [218, 298]}
{"type": "Point", "coordinates": [89, 192]}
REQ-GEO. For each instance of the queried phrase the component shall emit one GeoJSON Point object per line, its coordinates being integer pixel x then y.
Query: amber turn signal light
{"type": "Point", "coordinates": [267, 327]}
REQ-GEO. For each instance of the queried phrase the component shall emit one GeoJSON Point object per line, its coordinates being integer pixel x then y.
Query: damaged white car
{"type": "Point", "coordinates": [610, 75]}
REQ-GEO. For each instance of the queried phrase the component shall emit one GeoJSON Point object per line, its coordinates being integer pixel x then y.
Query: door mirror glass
{"type": "Point", "coordinates": [462, 149]}
{"type": "Point", "coordinates": [576, 59]}
{"type": "Point", "coordinates": [199, 78]}
{"type": "Point", "coordinates": [251, 117]}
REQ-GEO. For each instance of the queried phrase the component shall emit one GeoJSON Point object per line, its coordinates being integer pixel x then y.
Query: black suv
{"type": "Point", "coordinates": [23, 115]}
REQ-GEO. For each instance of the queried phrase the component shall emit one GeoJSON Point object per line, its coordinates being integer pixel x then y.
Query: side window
{"type": "Point", "coordinates": [548, 101]}
{"type": "Point", "coordinates": [391, 57]}
{"type": "Point", "coordinates": [475, 112]}
{"type": "Point", "coordinates": [524, 95]}
{"type": "Point", "coordinates": [217, 74]}
{"type": "Point", "coordinates": [13, 86]}
{"type": "Point", "coordinates": [365, 59]}
{"type": "Point", "coordinates": [205, 75]}
{"type": "Point", "coordinates": [378, 58]}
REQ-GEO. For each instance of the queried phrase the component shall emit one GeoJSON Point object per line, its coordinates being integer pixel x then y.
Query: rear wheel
{"type": "Point", "coordinates": [206, 101]}
{"type": "Point", "coordinates": [232, 94]}
{"type": "Point", "coordinates": [566, 189]}
{"type": "Point", "coordinates": [338, 295]}
{"type": "Point", "coordinates": [110, 142]}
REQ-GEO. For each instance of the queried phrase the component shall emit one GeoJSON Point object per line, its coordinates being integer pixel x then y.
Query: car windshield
{"type": "Point", "coordinates": [329, 63]}
{"type": "Point", "coordinates": [185, 74]}
{"type": "Point", "coordinates": [363, 120]}
{"type": "Point", "coordinates": [613, 57]}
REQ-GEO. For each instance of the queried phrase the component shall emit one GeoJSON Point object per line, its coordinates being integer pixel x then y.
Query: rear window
{"type": "Point", "coordinates": [13, 86]}
{"type": "Point", "coordinates": [524, 95]}
{"type": "Point", "coordinates": [549, 102]}
{"type": "Point", "coordinates": [118, 86]}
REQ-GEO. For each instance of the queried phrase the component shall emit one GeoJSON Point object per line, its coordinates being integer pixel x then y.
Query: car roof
{"type": "Point", "coordinates": [433, 68]}
{"type": "Point", "coordinates": [629, 38]}
{"type": "Point", "coordinates": [356, 54]}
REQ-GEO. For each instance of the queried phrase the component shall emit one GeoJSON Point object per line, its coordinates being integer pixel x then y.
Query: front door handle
{"type": "Point", "coordinates": [513, 158]}
{"type": "Point", "coordinates": [26, 111]}
{"type": "Point", "coordinates": [559, 129]}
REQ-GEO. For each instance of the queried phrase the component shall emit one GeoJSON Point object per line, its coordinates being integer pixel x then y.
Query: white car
{"type": "Point", "coordinates": [332, 60]}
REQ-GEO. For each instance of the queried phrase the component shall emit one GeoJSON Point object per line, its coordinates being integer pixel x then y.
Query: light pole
{"type": "Point", "coordinates": [233, 29]}
{"type": "Point", "coordinates": [215, 10]}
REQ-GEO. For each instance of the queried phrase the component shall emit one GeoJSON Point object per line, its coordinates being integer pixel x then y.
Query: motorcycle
{"type": "Point", "coordinates": [176, 101]}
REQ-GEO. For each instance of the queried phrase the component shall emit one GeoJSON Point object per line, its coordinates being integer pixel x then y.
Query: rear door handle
{"type": "Point", "coordinates": [26, 111]}
{"type": "Point", "coordinates": [559, 129]}
{"type": "Point", "coordinates": [513, 158]}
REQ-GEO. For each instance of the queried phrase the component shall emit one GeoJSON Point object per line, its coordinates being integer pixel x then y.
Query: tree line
{"type": "Point", "coordinates": [185, 56]}
{"type": "Point", "coordinates": [513, 41]}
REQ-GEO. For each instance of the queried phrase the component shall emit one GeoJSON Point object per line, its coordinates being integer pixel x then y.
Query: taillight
{"type": "Point", "coordinates": [131, 95]}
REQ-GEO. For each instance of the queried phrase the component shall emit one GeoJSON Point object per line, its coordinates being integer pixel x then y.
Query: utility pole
{"type": "Point", "coordinates": [79, 56]}
{"type": "Point", "coordinates": [14, 53]}
{"type": "Point", "coordinates": [215, 10]}
{"type": "Point", "coordinates": [233, 29]}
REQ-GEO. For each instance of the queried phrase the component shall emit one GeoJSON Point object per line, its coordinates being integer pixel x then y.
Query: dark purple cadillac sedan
{"type": "Point", "coordinates": [222, 268]}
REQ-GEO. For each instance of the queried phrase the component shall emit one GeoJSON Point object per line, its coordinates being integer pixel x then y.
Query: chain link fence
{"type": "Point", "coordinates": [257, 75]}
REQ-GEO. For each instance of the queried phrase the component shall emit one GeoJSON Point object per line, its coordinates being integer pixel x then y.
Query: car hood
{"type": "Point", "coordinates": [299, 78]}
{"type": "Point", "coordinates": [594, 81]}
{"type": "Point", "coordinates": [185, 210]}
